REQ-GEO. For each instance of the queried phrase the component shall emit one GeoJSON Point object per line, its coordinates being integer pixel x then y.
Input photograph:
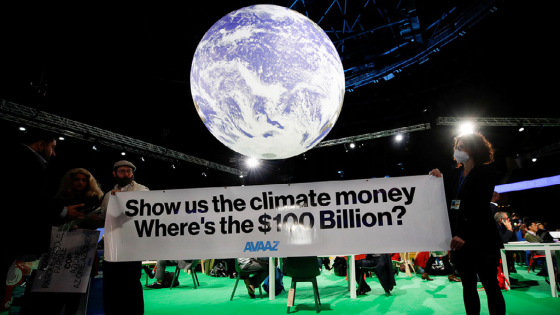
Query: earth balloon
{"type": "Point", "coordinates": [267, 82]}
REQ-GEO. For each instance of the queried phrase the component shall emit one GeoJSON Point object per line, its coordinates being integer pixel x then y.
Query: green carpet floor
{"type": "Point", "coordinates": [411, 296]}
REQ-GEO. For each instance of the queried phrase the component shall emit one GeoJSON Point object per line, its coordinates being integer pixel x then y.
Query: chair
{"type": "Point", "coordinates": [244, 273]}
{"type": "Point", "coordinates": [304, 269]}
{"type": "Point", "coordinates": [193, 274]}
{"type": "Point", "coordinates": [533, 259]}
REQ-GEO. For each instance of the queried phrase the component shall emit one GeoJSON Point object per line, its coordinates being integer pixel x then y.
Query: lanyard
{"type": "Point", "coordinates": [461, 180]}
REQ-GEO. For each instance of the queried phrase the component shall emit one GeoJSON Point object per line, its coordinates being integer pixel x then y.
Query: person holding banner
{"type": "Point", "coordinates": [474, 251]}
{"type": "Point", "coordinates": [122, 289]}
{"type": "Point", "coordinates": [78, 186]}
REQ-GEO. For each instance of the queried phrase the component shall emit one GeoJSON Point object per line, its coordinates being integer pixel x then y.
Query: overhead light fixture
{"type": "Point", "coordinates": [173, 166]}
{"type": "Point", "coordinates": [398, 137]}
{"type": "Point", "coordinates": [22, 128]}
{"type": "Point", "coordinates": [521, 128]}
{"type": "Point", "coordinates": [95, 148]}
{"type": "Point", "coordinates": [61, 138]}
{"type": "Point", "coordinates": [466, 128]}
{"type": "Point", "coordinates": [534, 159]}
{"type": "Point", "coordinates": [240, 176]}
{"type": "Point", "coordinates": [123, 153]}
{"type": "Point", "coordinates": [252, 162]}
{"type": "Point", "coordinates": [352, 145]}
{"type": "Point", "coordinates": [203, 174]}
{"type": "Point", "coordinates": [142, 158]}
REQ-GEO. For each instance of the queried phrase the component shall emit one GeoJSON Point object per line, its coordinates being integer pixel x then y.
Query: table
{"type": "Point", "coordinates": [523, 246]}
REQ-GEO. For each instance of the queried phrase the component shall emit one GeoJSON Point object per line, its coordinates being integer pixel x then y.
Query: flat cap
{"type": "Point", "coordinates": [124, 163]}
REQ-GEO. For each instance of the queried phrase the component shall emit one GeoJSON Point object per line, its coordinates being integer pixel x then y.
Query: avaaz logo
{"type": "Point", "coordinates": [261, 246]}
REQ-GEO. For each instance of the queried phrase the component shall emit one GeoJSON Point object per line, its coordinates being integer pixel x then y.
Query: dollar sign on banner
{"type": "Point", "coordinates": [263, 219]}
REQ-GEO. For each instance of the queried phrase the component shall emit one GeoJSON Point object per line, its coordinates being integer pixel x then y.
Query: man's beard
{"type": "Point", "coordinates": [124, 181]}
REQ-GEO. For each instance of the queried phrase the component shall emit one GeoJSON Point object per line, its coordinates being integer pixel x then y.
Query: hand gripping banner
{"type": "Point", "coordinates": [385, 215]}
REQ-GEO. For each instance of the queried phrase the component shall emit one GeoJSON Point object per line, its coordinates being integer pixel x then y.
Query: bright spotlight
{"type": "Point", "coordinates": [240, 176]}
{"type": "Point", "coordinates": [252, 162]}
{"type": "Point", "coordinates": [352, 145]}
{"type": "Point", "coordinates": [466, 128]}
{"type": "Point", "coordinates": [398, 137]}
{"type": "Point", "coordinates": [61, 138]}
{"type": "Point", "coordinates": [95, 148]}
{"type": "Point", "coordinates": [521, 129]}
{"type": "Point", "coordinates": [22, 128]}
{"type": "Point", "coordinates": [534, 159]}
{"type": "Point", "coordinates": [173, 165]}
{"type": "Point", "coordinates": [142, 158]}
{"type": "Point", "coordinates": [123, 153]}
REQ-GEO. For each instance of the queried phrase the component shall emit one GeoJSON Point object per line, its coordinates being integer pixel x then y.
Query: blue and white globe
{"type": "Point", "coordinates": [267, 82]}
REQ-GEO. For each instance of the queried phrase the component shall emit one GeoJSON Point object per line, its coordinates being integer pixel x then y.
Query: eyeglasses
{"type": "Point", "coordinates": [124, 172]}
{"type": "Point", "coordinates": [460, 147]}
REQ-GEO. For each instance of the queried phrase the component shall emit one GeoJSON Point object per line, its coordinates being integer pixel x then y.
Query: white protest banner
{"type": "Point", "coordinates": [66, 267]}
{"type": "Point", "coordinates": [386, 215]}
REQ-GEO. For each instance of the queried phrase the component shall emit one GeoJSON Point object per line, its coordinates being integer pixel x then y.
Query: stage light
{"type": "Point", "coordinates": [123, 153]}
{"type": "Point", "coordinates": [521, 128]}
{"type": "Point", "coordinates": [252, 162]}
{"type": "Point", "coordinates": [204, 174]}
{"type": "Point", "coordinates": [530, 184]}
{"type": "Point", "coordinates": [534, 159]}
{"type": "Point", "coordinates": [22, 129]}
{"type": "Point", "coordinates": [240, 176]}
{"type": "Point", "coordinates": [95, 148]}
{"type": "Point", "coordinates": [142, 158]}
{"type": "Point", "coordinates": [352, 145]}
{"type": "Point", "coordinates": [466, 128]}
{"type": "Point", "coordinates": [398, 137]}
{"type": "Point", "coordinates": [61, 138]}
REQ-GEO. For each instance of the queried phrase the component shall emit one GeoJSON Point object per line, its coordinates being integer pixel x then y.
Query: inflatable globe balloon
{"type": "Point", "coordinates": [267, 82]}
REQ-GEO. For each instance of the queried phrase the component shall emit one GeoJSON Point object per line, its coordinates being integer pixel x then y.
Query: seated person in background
{"type": "Point", "coordinates": [383, 271]}
{"type": "Point", "coordinates": [444, 256]}
{"type": "Point", "coordinates": [160, 270]}
{"type": "Point", "coordinates": [533, 237]}
{"type": "Point", "coordinates": [258, 265]}
{"type": "Point", "coordinates": [505, 229]}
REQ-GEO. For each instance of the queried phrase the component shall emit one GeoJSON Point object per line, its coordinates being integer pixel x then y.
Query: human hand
{"type": "Point", "coordinates": [435, 172]}
{"type": "Point", "coordinates": [457, 243]}
{"type": "Point", "coordinates": [507, 224]}
{"type": "Point", "coordinates": [73, 213]}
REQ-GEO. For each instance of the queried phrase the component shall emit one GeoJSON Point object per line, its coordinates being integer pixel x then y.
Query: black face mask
{"type": "Point", "coordinates": [124, 181]}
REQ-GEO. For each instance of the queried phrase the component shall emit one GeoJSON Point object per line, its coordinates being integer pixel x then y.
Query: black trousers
{"type": "Point", "coordinates": [122, 289]}
{"type": "Point", "coordinates": [6, 261]}
{"type": "Point", "coordinates": [469, 265]}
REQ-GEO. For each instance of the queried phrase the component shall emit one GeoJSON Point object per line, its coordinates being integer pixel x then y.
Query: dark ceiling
{"type": "Point", "coordinates": [126, 69]}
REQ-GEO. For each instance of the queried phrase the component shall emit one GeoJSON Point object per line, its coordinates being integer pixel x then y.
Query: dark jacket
{"type": "Point", "coordinates": [27, 213]}
{"type": "Point", "coordinates": [473, 222]}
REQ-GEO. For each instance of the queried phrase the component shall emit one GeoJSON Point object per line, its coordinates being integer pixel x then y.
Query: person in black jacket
{"type": "Point", "coordinates": [468, 190]}
{"type": "Point", "coordinates": [28, 213]}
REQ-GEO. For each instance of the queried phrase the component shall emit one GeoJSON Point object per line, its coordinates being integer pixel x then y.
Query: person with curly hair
{"type": "Point", "coordinates": [78, 186]}
{"type": "Point", "coordinates": [476, 243]}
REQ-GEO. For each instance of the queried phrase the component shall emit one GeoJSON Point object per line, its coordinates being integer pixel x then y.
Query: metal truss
{"type": "Point", "coordinates": [548, 150]}
{"type": "Point", "coordinates": [71, 128]}
{"type": "Point", "coordinates": [526, 122]}
{"type": "Point", "coordinates": [359, 28]}
{"type": "Point", "coordinates": [368, 136]}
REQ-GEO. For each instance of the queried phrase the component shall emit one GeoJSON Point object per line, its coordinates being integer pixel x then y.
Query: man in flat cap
{"type": "Point", "coordinates": [122, 289]}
